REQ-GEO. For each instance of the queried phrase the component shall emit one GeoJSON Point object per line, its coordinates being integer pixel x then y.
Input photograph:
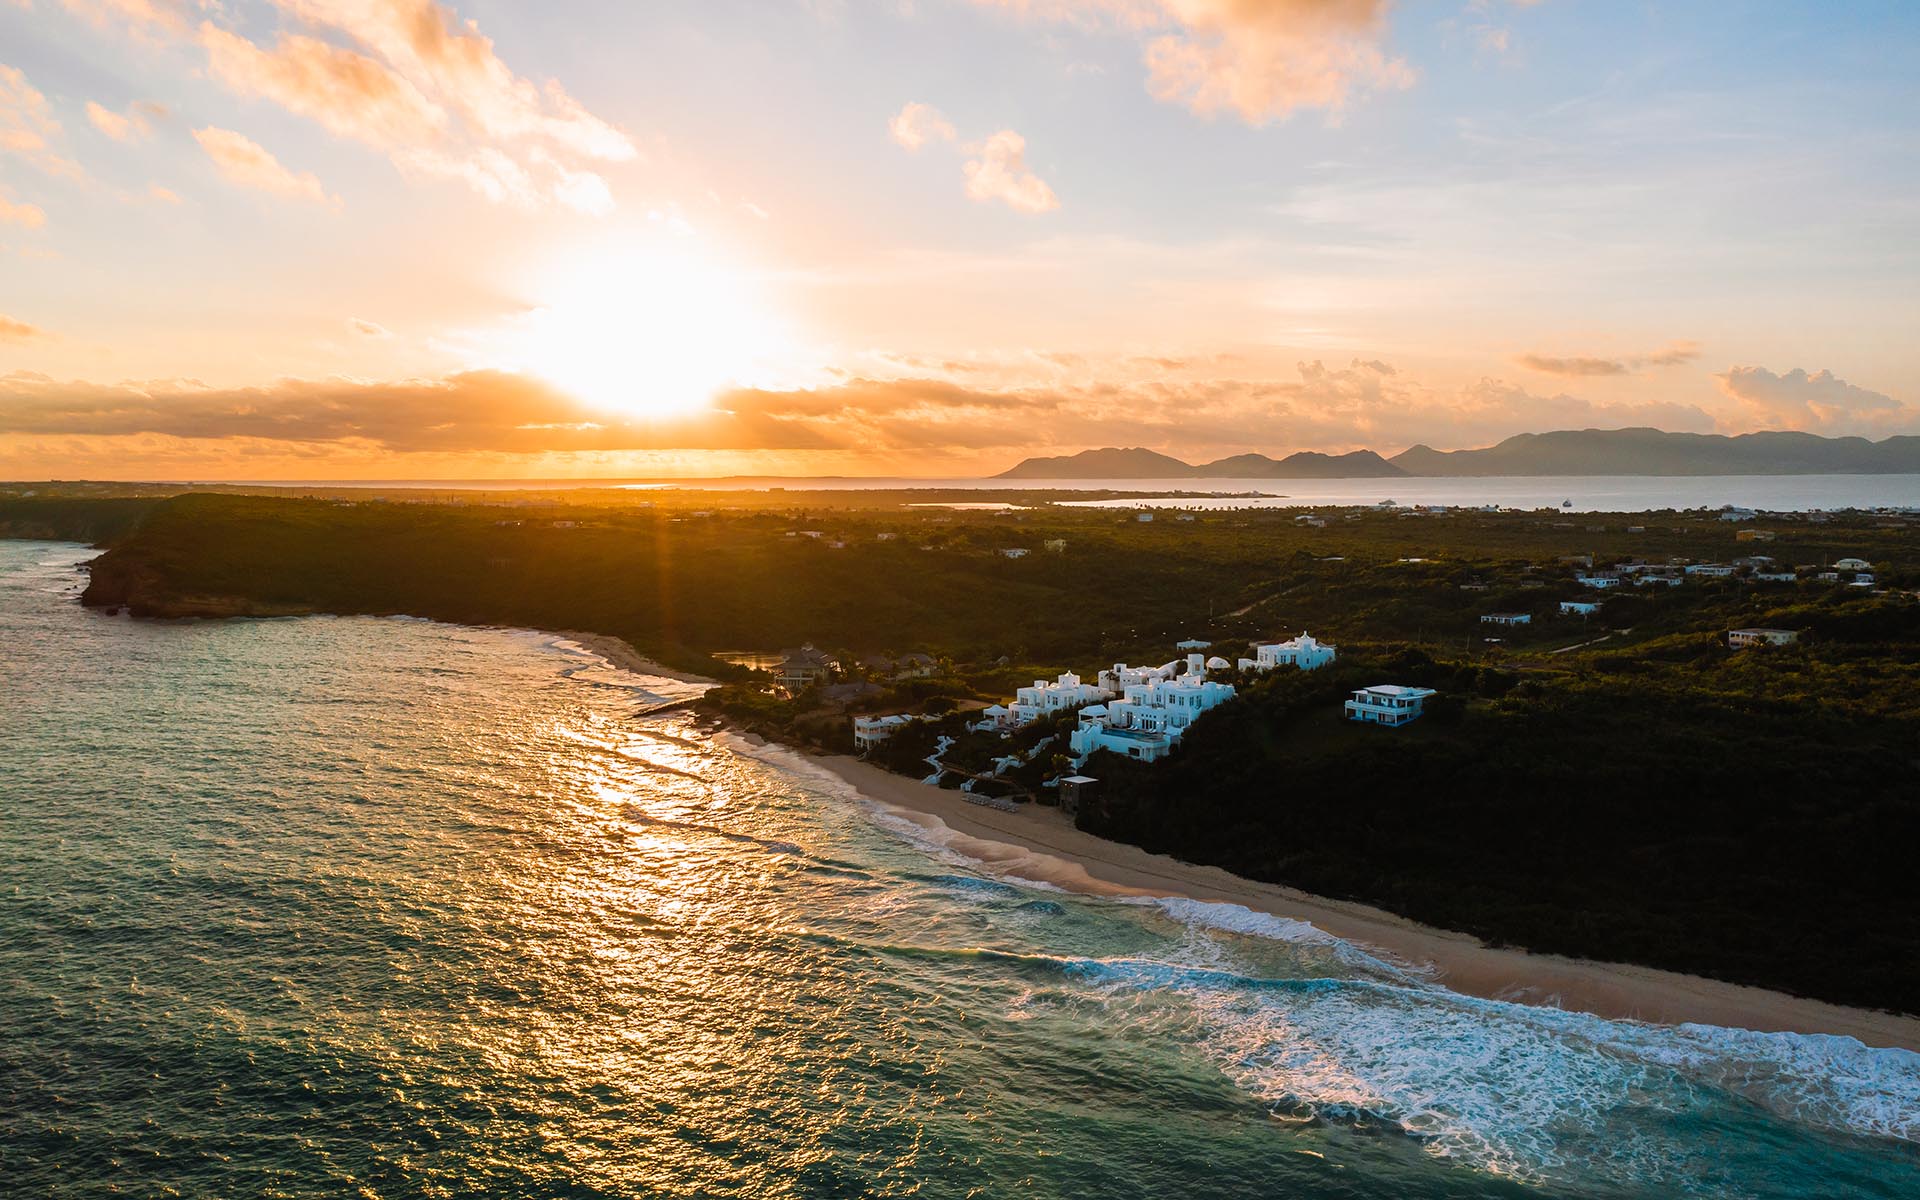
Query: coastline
{"type": "Point", "coordinates": [621, 653]}
{"type": "Point", "coordinates": [1041, 845]}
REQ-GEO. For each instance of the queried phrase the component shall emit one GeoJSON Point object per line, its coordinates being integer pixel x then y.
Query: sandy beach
{"type": "Point", "coordinates": [621, 654]}
{"type": "Point", "coordinates": [1041, 844]}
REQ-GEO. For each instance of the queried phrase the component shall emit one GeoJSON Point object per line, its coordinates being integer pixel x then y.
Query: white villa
{"type": "Point", "coordinates": [1156, 706]}
{"type": "Point", "coordinates": [1302, 652]}
{"type": "Point", "coordinates": [1506, 618]}
{"type": "Point", "coordinates": [1598, 581]}
{"type": "Point", "coordinates": [1387, 704]}
{"type": "Point", "coordinates": [1044, 699]}
{"type": "Point", "coordinates": [1741, 638]}
{"type": "Point", "coordinates": [1852, 564]}
{"type": "Point", "coordinates": [1584, 608]}
{"type": "Point", "coordinates": [869, 732]}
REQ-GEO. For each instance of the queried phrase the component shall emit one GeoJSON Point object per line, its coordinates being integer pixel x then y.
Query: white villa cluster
{"type": "Point", "coordinates": [1155, 707]}
{"type": "Point", "coordinates": [1044, 699]}
{"type": "Point", "coordinates": [1302, 652]}
{"type": "Point", "coordinates": [1141, 712]}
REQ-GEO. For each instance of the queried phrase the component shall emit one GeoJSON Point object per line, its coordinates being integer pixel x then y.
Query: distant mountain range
{"type": "Point", "coordinates": [1566, 452]}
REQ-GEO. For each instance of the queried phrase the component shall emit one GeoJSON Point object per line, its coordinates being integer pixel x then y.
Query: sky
{"type": "Point", "coordinates": [337, 239]}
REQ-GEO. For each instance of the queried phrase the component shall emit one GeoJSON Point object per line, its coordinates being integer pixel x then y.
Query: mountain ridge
{"type": "Point", "coordinates": [1630, 451]}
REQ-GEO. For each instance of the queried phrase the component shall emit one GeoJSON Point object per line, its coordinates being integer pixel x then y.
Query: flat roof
{"type": "Point", "coordinates": [1395, 689]}
{"type": "Point", "coordinates": [1793, 632]}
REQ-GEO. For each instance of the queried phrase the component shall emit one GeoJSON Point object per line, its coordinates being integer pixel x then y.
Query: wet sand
{"type": "Point", "coordinates": [622, 654]}
{"type": "Point", "coordinates": [1041, 844]}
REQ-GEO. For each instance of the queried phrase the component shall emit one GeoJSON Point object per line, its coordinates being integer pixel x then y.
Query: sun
{"type": "Point", "coordinates": [647, 328]}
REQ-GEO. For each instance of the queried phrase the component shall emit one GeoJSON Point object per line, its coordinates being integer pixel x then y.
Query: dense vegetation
{"type": "Point", "coordinates": [1619, 785]}
{"type": "Point", "coordinates": [1751, 815]}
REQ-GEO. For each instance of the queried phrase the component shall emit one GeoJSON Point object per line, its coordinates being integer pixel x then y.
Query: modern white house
{"type": "Point", "coordinates": [1014, 552]}
{"type": "Point", "coordinates": [1852, 564]}
{"type": "Point", "coordinates": [869, 732]}
{"type": "Point", "coordinates": [1668, 580]}
{"type": "Point", "coordinates": [1578, 608]}
{"type": "Point", "coordinates": [1155, 708]}
{"type": "Point", "coordinates": [1387, 704]}
{"type": "Point", "coordinates": [1742, 638]}
{"type": "Point", "coordinates": [1598, 581]}
{"type": "Point", "coordinates": [1710, 570]}
{"type": "Point", "coordinates": [1506, 618]}
{"type": "Point", "coordinates": [1044, 699]}
{"type": "Point", "coordinates": [1304, 652]}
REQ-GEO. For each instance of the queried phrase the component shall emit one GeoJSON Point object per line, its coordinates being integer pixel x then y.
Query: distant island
{"type": "Point", "coordinates": [1564, 452]}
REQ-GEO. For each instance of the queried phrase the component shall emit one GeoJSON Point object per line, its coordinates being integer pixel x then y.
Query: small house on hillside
{"type": "Point", "coordinates": [1741, 638]}
{"type": "Point", "coordinates": [869, 732]}
{"type": "Point", "coordinates": [1506, 618]}
{"type": "Point", "coordinates": [1304, 652]}
{"type": "Point", "coordinates": [804, 667]}
{"type": "Point", "coordinates": [1388, 704]}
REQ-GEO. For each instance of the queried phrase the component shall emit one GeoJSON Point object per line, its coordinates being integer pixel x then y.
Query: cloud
{"type": "Point", "coordinates": [30, 216]}
{"type": "Point", "coordinates": [161, 195]}
{"type": "Point", "coordinates": [348, 93]}
{"type": "Point", "coordinates": [125, 126]}
{"type": "Point", "coordinates": [1258, 59]}
{"type": "Point", "coordinates": [1819, 403]}
{"type": "Point", "coordinates": [248, 164]}
{"type": "Point", "coordinates": [917, 124]}
{"type": "Point", "coordinates": [27, 127]}
{"type": "Point", "coordinates": [996, 168]}
{"type": "Point", "coordinates": [999, 172]}
{"type": "Point", "coordinates": [491, 412]}
{"type": "Point", "coordinates": [372, 329]}
{"type": "Point", "coordinates": [1572, 366]}
{"type": "Point", "coordinates": [416, 83]}
{"type": "Point", "coordinates": [1672, 355]}
{"type": "Point", "coordinates": [16, 331]}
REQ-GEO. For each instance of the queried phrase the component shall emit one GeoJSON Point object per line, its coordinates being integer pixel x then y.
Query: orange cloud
{"type": "Point", "coordinates": [917, 124]}
{"type": "Point", "coordinates": [30, 216]}
{"type": "Point", "coordinates": [16, 331]}
{"type": "Point", "coordinates": [125, 126]}
{"type": "Point", "coordinates": [347, 93]}
{"type": "Point", "coordinates": [416, 83]}
{"type": "Point", "coordinates": [247, 163]}
{"type": "Point", "coordinates": [999, 172]}
{"type": "Point", "coordinates": [1672, 355]}
{"type": "Point", "coordinates": [1819, 403]}
{"type": "Point", "coordinates": [1258, 59]}
{"type": "Point", "coordinates": [27, 127]}
{"type": "Point", "coordinates": [996, 168]}
{"type": "Point", "coordinates": [491, 413]}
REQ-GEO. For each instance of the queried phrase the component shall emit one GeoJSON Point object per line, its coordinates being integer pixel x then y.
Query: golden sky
{"type": "Point", "coordinates": [310, 239]}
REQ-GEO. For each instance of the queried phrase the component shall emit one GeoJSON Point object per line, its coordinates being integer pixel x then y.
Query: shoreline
{"type": "Point", "coordinates": [621, 653]}
{"type": "Point", "coordinates": [1041, 845]}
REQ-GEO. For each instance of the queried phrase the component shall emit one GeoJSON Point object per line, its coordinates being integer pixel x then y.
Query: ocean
{"type": "Point", "coordinates": [388, 908]}
{"type": "Point", "coordinates": [1576, 493]}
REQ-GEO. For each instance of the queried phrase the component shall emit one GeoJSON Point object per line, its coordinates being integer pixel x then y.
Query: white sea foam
{"type": "Point", "coordinates": [1523, 1091]}
{"type": "Point", "coordinates": [1519, 1090]}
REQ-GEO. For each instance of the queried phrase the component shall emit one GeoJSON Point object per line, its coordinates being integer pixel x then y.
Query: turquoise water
{"type": "Point", "coordinates": [385, 908]}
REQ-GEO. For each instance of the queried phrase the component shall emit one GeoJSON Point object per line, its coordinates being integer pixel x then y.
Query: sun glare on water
{"type": "Point", "coordinates": [648, 329]}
